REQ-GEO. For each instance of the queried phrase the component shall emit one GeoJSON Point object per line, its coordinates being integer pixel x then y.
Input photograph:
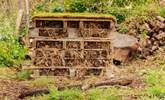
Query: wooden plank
{"type": "Point", "coordinates": [61, 67]}
{"type": "Point", "coordinates": [77, 39]}
{"type": "Point", "coordinates": [73, 19]}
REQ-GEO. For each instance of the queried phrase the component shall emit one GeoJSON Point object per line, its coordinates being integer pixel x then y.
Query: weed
{"type": "Point", "coordinates": [71, 94]}
{"type": "Point", "coordinates": [155, 77]}
{"type": "Point", "coordinates": [103, 94]}
{"type": "Point", "coordinates": [162, 12]}
{"type": "Point", "coordinates": [156, 91]}
{"type": "Point", "coordinates": [24, 75]}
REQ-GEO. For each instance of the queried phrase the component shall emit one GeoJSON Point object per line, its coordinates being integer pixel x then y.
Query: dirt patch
{"type": "Point", "coordinates": [14, 90]}
{"type": "Point", "coordinates": [10, 89]}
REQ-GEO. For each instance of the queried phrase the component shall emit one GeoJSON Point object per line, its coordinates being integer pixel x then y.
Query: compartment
{"type": "Point", "coordinates": [53, 33]}
{"type": "Point", "coordinates": [93, 72]}
{"type": "Point", "coordinates": [48, 58]}
{"type": "Point", "coordinates": [97, 24]}
{"type": "Point", "coordinates": [73, 54]}
{"type": "Point", "coordinates": [49, 44]}
{"type": "Point", "coordinates": [73, 29]}
{"type": "Point", "coordinates": [73, 62]}
{"type": "Point", "coordinates": [73, 24]}
{"type": "Point", "coordinates": [95, 54]}
{"type": "Point", "coordinates": [96, 45]}
{"type": "Point", "coordinates": [73, 44]}
{"type": "Point", "coordinates": [97, 62]}
{"type": "Point", "coordinates": [49, 24]}
{"type": "Point", "coordinates": [102, 33]}
{"type": "Point", "coordinates": [54, 72]}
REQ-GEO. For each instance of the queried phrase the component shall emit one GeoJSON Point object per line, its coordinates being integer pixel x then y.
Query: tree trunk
{"type": "Point", "coordinates": [27, 4]}
{"type": "Point", "coordinates": [19, 16]}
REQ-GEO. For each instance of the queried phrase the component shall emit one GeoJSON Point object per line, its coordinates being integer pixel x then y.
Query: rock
{"type": "Point", "coordinates": [123, 40]}
{"type": "Point", "coordinates": [123, 47]}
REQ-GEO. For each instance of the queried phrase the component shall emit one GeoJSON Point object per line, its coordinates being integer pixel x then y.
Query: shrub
{"type": "Point", "coordinates": [76, 6]}
{"type": "Point", "coordinates": [120, 13]}
{"type": "Point", "coordinates": [49, 6]}
{"type": "Point", "coordinates": [11, 52]}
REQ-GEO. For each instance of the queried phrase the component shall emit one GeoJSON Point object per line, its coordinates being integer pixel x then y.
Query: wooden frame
{"type": "Point", "coordinates": [81, 40]}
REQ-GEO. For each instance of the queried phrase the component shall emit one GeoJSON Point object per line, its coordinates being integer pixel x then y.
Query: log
{"type": "Point", "coordinates": [120, 81]}
{"type": "Point", "coordinates": [33, 92]}
{"type": "Point", "coordinates": [45, 90]}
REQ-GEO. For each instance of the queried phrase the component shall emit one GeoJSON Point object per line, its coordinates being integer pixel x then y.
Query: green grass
{"type": "Point", "coordinates": [68, 94]}
{"type": "Point", "coordinates": [103, 94]}
{"type": "Point", "coordinates": [42, 82]}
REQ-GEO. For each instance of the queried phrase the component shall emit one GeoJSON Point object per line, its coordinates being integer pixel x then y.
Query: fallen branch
{"type": "Point", "coordinates": [45, 90]}
{"type": "Point", "coordinates": [33, 92]}
{"type": "Point", "coordinates": [119, 81]}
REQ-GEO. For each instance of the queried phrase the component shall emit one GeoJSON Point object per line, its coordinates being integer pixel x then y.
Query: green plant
{"type": "Point", "coordinates": [103, 94]}
{"type": "Point", "coordinates": [156, 91]}
{"type": "Point", "coordinates": [155, 77]}
{"type": "Point", "coordinates": [120, 13]}
{"type": "Point", "coordinates": [76, 6]}
{"type": "Point", "coordinates": [155, 80]}
{"type": "Point", "coordinates": [11, 52]}
{"type": "Point", "coordinates": [68, 94]}
{"type": "Point", "coordinates": [23, 75]}
{"type": "Point", "coordinates": [162, 12]}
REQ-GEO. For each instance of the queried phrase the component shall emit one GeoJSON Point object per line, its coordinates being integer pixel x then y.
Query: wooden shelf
{"type": "Point", "coordinates": [61, 67]}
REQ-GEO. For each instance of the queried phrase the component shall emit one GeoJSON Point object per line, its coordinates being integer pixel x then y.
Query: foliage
{"type": "Point", "coordinates": [121, 9]}
{"type": "Point", "coordinates": [120, 13]}
{"type": "Point", "coordinates": [11, 52]}
{"type": "Point", "coordinates": [49, 6]}
{"type": "Point", "coordinates": [76, 6]}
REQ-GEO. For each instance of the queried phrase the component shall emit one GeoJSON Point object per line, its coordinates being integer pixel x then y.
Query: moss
{"type": "Point", "coordinates": [85, 15]}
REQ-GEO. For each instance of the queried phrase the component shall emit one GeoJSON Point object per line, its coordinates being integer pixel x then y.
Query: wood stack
{"type": "Point", "coordinates": [150, 33]}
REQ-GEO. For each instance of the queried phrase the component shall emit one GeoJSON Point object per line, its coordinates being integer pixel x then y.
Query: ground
{"type": "Point", "coordinates": [147, 74]}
